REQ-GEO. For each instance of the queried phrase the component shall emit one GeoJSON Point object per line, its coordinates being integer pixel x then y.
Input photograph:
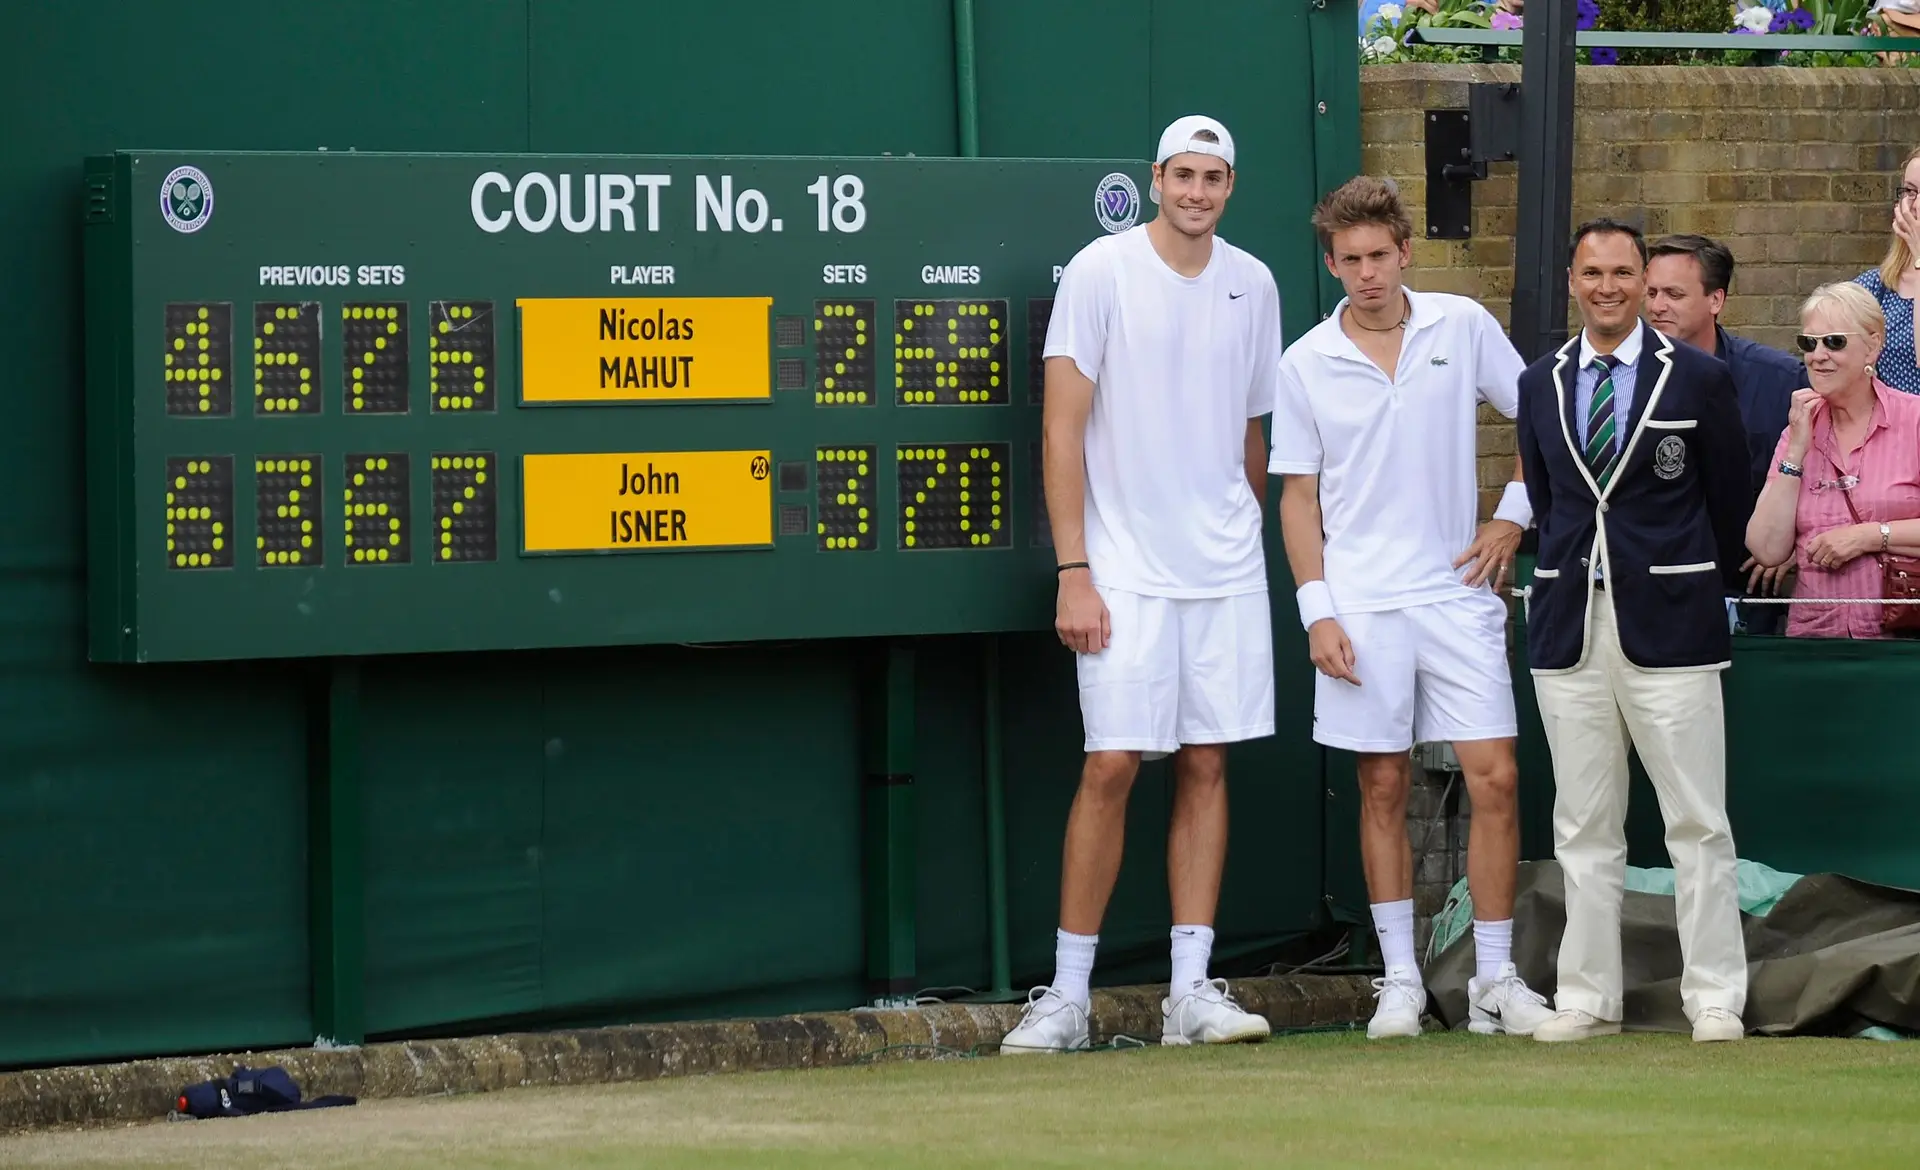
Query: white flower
{"type": "Point", "coordinates": [1382, 47]}
{"type": "Point", "coordinates": [1756, 19]}
{"type": "Point", "coordinates": [1391, 13]}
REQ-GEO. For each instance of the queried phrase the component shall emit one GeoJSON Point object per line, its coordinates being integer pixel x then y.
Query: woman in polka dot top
{"type": "Point", "coordinates": [1897, 282]}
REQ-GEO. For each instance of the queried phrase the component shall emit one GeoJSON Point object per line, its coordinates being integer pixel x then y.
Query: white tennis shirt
{"type": "Point", "coordinates": [1399, 494]}
{"type": "Point", "coordinates": [1179, 365]}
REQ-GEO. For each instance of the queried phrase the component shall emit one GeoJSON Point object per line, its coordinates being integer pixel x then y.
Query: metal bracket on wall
{"type": "Point", "coordinates": [1460, 144]}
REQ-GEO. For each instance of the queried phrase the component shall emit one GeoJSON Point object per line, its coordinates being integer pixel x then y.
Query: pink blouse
{"type": "Point", "coordinates": [1887, 464]}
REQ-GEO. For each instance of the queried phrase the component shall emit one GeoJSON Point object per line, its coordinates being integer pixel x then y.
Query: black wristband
{"type": "Point", "coordinates": [1072, 565]}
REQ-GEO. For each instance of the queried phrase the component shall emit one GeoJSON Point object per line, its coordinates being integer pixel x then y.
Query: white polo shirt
{"type": "Point", "coordinates": [1179, 366]}
{"type": "Point", "coordinates": [1399, 493]}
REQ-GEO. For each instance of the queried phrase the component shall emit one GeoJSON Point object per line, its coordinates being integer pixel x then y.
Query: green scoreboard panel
{"type": "Point", "coordinates": [373, 404]}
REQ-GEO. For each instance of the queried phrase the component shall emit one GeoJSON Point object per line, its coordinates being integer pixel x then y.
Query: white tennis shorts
{"type": "Point", "coordinates": [1179, 671]}
{"type": "Point", "coordinates": [1428, 674]}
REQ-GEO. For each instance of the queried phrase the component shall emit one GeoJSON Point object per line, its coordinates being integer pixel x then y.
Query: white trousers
{"type": "Point", "coordinates": [1676, 722]}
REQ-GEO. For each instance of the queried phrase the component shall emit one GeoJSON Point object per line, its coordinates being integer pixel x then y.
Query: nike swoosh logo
{"type": "Point", "coordinates": [1232, 296]}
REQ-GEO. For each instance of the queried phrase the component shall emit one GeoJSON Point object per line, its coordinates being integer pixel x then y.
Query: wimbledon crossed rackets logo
{"type": "Point", "coordinates": [186, 199]}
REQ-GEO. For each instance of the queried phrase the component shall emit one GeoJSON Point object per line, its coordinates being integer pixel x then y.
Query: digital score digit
{"type": "Point", "coordinates": [948, 353]}
{"type": "Point", "coordinates": [954, 495]}
{"type": "Point", "coordinates": [1039, 316]}
{"type": "Point", "coordinates": [377, 517]}
{"type": "Point", "coordinates": [843, 353]}
{"type": "Point", "coordinates": [373, 352]}
{"type": "Point", "coordinates": [463, 507]}
{"type": "Point", "coordinates": [461, 373]}
{"type": "Point", "coordinates": [846, 497]}
{"type": "Point", "coordinates": [286, 358]}
{"type": "Point", "coordinates": [200, 512]}
{"type": "Point", "coordinates": [287, 511]}
{"type": "Point", "coordinates": [199, 361]}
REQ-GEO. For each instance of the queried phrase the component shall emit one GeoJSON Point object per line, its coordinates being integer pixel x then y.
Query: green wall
{"type": "Point", "coordinates": [591, 835]}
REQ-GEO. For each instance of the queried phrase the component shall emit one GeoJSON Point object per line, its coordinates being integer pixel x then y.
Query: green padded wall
{"type": "Point", "coordinates": [520, 821]}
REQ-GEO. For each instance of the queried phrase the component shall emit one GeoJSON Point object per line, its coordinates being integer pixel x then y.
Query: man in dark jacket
{"type": "Point", "coordinates": [1636, 465]}
{"type": "Point", "coordinates": [1687, 282]}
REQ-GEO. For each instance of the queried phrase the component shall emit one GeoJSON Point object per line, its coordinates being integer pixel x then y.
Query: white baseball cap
{"type": "Point", "coordinates": [1179, 138]}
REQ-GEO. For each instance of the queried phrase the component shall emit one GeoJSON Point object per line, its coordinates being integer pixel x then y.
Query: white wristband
{"type": "Point", "coordinates": [1316, 603]}
{"type": "Point", "coordinates": [1514, 505]}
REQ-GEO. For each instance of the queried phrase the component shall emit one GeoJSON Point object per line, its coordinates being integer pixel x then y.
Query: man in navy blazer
{"type": "Point", "coordinates": [1635, 461]}
{"type": "Point", "coordinates": [1688, 277]}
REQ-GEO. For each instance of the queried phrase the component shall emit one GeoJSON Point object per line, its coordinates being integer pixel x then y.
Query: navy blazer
{"type": "Point", "coordinates": [1764, 378]}
{"type": "Point", "coordinates": [1672, 521]}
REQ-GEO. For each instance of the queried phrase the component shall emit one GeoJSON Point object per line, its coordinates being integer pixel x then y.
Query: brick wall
{"type": "Point", "coordinates": [1793, 169]}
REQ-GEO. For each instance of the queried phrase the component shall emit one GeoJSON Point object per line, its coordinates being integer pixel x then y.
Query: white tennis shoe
{"type": "Point", "coordinates": [1505, 1004]}
{"type": "Point", "coordinates": [1050, 1023]}
{"type": "Point", "coordinates": [1403, 997]}
{"type": "Point", "coordinates": [1207, 1014]}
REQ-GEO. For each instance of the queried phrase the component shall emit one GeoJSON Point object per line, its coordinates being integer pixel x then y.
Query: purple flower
{"type": "Point", "coordinates": [1780, 23]}
{"type": "Point", "coordinates": [1744, 32]}
{"type": "Point", "coordinates": [1588, 14]}
{"type": "Point", "coordinates": [1801, 19]}
{"type": "Point", "coordinates": [1604, 56]}
{"type": "Point", "coordinates": [1504, 20]}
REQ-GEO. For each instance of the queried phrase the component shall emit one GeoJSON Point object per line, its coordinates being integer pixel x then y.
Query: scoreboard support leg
{"type": "Point", "coordinates": [889, 831]}
{"type": "Point", "coordinates": [337, 921]}
{"type": "Point", "coordinates": [992, 726]}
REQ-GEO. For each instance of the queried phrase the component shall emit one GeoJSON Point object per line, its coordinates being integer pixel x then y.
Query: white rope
{"type": "Point", "coordinates": [1521, 593]}
{"type": "Point", "coordinates": [1828, 600]}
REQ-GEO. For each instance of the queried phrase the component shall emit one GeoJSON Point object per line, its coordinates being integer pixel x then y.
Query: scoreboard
{"type": "Point", "coordinates": [347, 404]}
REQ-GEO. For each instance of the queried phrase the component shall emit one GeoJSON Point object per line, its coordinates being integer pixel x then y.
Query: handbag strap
{"type": "Point", "coordinates": [1847, 495]}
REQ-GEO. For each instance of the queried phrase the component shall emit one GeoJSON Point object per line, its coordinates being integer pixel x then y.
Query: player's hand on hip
{"type": "Point", "coordinates": [1331, 652]}
{"type": "Point", "coordinates": [1491, 553]}
{"type": "Point", "coordinates": [1080, 615]}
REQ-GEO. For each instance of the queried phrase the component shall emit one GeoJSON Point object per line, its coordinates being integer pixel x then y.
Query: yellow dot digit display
{"type": "Point", "coordinates": [464, 507]}
{"type": "Point", "coordinates": [287, 489]}
{"type": "Point", "coordinates": [941, 509]}
{"type": "Point", "coordinates": [198, 336]}
{"type": "Point", "coordinates": [955, 353]}
{"type": "Point", "coordinates": [841, 496]}
{"type": "Point", "coordinates": [382, 487]}
{"type": "Point", "coordinates": [461, 348]}
{"type": "Point", "coordinates": [198, 516]}
{"type": "Point", "coordinates": [843, 360]}
{"type": "Point", "coordinates": [375, 349]}
{"type": "Point", "coordinates": [286, 344]}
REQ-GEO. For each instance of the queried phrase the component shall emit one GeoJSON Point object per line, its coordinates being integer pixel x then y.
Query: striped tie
{"type": "Point", "coordinates": [1603, 454]}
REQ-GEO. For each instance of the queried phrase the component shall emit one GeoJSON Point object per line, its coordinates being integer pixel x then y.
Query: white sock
{"type": "Point", "coordinates": [1192, 947]}
{"type": "Point", "coordinates": [1393, 923]}
{"type": "Point", "coordinates": [1492, 946]}
{"type": "Point", "coordinates": [1073, 966]}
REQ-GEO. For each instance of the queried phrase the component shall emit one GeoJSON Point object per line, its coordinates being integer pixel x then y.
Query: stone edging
{"type": "Point", "coordinates": [144, 1090]}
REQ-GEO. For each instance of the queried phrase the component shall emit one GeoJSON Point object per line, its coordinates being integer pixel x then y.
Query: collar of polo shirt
{"type": "Point", "coordinates": [1336, 343]}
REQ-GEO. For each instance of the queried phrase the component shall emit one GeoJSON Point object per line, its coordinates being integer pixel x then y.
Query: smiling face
{"type": "Point", "coordinates": [1609, 284]}
{"type": "Point", "coordinates": [1193, 192]}
{"type": "Point", "coordinates": [1369, 264]}
{"type": "Point", "coordinates": [1832, 371]}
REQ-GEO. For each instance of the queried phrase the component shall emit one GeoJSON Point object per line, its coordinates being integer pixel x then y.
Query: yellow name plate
{"type": "Point", "coordinates": [629, 501]}
{"type": "Point", "coordinates": [644, 349]}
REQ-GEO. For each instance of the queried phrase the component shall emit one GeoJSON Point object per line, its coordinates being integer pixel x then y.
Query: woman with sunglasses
{"type": "Point", "coordinates": [1845, 485]}
{"type": "Point", "coordinates": [1896, 282]}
